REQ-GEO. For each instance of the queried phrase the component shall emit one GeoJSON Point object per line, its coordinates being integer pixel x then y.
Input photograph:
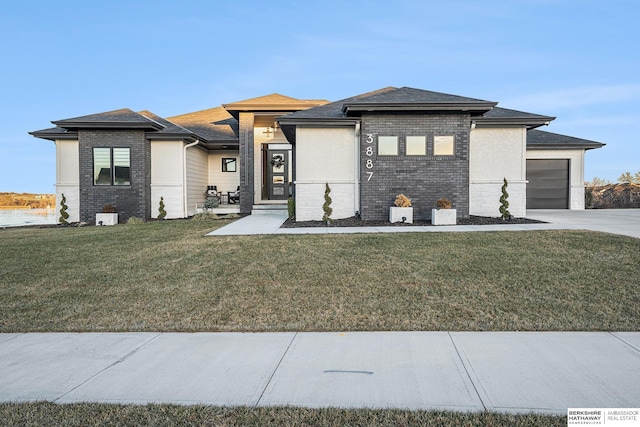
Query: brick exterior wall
{"type": "Point", "coordinates": [424, 179]}
{"type": "Point", "coordinates": [245, 140]}
{"type": "Point", "coordinates": [130, 200]}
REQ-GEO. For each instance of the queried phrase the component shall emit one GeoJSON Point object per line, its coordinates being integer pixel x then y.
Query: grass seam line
{"type": "Point", "coordinates": [266, 386]}
{"type": "Point", "coordinates": [122, 359]}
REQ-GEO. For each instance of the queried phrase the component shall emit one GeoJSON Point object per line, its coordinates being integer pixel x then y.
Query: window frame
{"type": "Point", "coordinates": [380, 137]}
{"type": "Point", "coordinates": [113, 178]}
{"type": "Point", "coordinates": [423, 139]}
{"type": "Point", "coordinates": [453, 145]}
{"type": "Point", "coordinates": [225, 165]}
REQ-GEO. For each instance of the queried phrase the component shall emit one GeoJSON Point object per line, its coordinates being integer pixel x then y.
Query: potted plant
{"type": "Point", "coordinates": [402, 211]}
{"type": "Point", "coordinates": [443, 214]}
{"type": "Point", "coordinates": [108, 216]}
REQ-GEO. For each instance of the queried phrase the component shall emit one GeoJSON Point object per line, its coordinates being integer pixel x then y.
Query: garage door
{"type": "Point", "coordinates": [548, 186]}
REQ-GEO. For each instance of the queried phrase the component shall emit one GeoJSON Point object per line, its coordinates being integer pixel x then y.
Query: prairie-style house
{"type": "Point", "coordinates": [368, 148]}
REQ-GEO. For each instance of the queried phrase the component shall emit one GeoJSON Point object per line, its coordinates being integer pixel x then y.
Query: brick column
{"type": "Point", "coordinates": [245, 139]}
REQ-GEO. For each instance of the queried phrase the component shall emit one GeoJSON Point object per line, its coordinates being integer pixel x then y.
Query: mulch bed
{"type": "Point", "coordinates": [356, 222]}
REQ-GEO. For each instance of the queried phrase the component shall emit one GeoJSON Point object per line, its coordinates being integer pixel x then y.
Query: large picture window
{"type": "Point", "coordinates": [111, 166]}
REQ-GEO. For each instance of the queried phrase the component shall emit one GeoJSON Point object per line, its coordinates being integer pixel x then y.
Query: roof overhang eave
{"type": "Point", "coordinates": [151, 125]}
{"type": "Point", "coordinates": [464, 107]}
{"type": "Point", "coordinates": [53, 136]}
{"type": "Point", "coordinates": [551, 146]}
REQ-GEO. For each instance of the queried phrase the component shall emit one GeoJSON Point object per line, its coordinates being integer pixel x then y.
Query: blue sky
{"type": "Point", "coordinates": [576, 60]}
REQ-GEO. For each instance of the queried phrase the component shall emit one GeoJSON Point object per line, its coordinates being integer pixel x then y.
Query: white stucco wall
{"type": "Point", "coordinates": [225, 181]}
{"type": "Point", "coordinates": [68, 177]}
{"type": "Point", "coordinates": [496, 153]}
{"type": "Point", "coordinates": [325, 156]}
{"type": "Point", "coordinates": [197, 177]}
{"type": "Point", "coordinates": [167, 177]}
{"type": "Point", "coordinates": [576, 172]}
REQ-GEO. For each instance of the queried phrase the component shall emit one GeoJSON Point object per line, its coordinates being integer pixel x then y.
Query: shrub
{"type": "Point", "coordinates": [443, 203]}
{"type": "Point", "coordinates": [504, 204]}
{"type": "Point", "coordinates": [402, 201]}
{"type": "Point", "coordinates": [291, 207]}
{"type": "Point", "coordinates": [326, 207]}
{"type": "Point", "coordinates": [64, 215]}
{"type": "Point", "coordinates": [108, 209]}
{"type": "Point", "coordinates": [588, 197]}
{"type": "Point", "coordinates": [162, 213]}
{"type": "Point", "coordinates": [211, 203]}
{"type": "Point", "coordinates": [135, 220]}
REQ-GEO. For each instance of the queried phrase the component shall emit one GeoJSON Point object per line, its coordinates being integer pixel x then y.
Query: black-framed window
{"type": "Point", "coordinates": [229, 164]}
{"type": "Point", "coordinates": [111, 166]}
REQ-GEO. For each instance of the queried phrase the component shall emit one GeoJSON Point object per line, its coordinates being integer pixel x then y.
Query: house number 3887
{"type": "Point", "coordinates": [369, 152]}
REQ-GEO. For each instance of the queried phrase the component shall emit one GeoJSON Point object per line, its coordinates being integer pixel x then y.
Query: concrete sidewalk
{"type": "Point", "coordinates": [516, 372]}
{"type": "Point", "coordinates": [625, 222]}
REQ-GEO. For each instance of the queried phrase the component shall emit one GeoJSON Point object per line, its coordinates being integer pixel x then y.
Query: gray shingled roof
{"type": "Point", "coordinates": [169, 129]}
{"type": "Point", "coordinates": [123, 118]}
{"type": "Point", "coordinates": [390, 98]}
{"type": "Point", "coordinates": [54, 133]}
{"type": "Point", "coordinates": [538, 139]}
{"type": "Point", "coordinates": [212, 125]}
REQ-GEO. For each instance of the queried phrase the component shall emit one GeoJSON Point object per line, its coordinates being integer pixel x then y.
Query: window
{"type": "Point", "coordinates": [229, 164]}
{"type": "Point", "coordinates": [387, 145]}
{"type": "Point", "coordinates": [416, 145]}
{"type": "Point", "coordinates": [111, 166]}
{"type": "Point", "coordinates": [443, 145]}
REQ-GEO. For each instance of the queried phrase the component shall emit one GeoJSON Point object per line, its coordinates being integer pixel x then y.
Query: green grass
{"type": "Point", "coordinates": [169, 276]}
{"type": "Point", "coordinates": [40, 414]}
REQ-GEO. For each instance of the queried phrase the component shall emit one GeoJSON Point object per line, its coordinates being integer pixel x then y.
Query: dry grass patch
{"type": "Point", "coordinates": [39, 414]}
{"type": "Point", "coordinates": [169, 276]}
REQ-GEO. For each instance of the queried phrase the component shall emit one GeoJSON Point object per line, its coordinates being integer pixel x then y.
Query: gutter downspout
{"type": "Point", "coordinates": [356, 181]}
{"type": "Point", "coordinates": [185, 211]}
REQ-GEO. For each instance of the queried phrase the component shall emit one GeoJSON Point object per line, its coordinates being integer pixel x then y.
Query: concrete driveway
{"type": "Point", "coordinates": [616, 221]}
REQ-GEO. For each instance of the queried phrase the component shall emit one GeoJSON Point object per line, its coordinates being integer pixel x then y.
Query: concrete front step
{"type": "Point", "coordinates": [280, 210]}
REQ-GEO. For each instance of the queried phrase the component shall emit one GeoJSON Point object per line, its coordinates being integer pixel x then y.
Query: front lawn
{"type": "Point", "coordinates": [169, 276]}
{"type": "Point", "coordinates": [49, 414]}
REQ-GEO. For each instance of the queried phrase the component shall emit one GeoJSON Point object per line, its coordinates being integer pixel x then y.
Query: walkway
{"type": "Point", "coordinates": [625, 222]}
{"type": "Point", "coordinates": [515, 372]}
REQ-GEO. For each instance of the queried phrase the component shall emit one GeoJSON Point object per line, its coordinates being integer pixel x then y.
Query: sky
{"type": "Point", "coordinates": [578, 61]}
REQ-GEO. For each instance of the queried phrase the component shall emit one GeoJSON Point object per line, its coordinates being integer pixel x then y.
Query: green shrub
{"type": "Point", "coordinates": [161, 212]}
{"type": "Point", "coordinates": [211, 203]}
{"type": "Point", "coordinates": [326, 207]}
{"type": "Point", "coordinates": [64, 215]}
{"type": "Point", "coordinates": [135, 220]}
{"type": "Point", "coordinates": [504, 204]}
{"type": "Point", "coordinates": [588, 197]}
{"type": "Point", "coordinates": [291, 206]}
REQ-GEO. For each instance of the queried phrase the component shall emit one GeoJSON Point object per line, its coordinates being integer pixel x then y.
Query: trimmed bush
{"type": "Point", "coordinates": [504, 204]}
{"type": "Point", "coordinates": [64, 215]}
{"type": "Point", "coordinates": [326, 207]}
{"type": "Point", "coordinates": [162, 213]}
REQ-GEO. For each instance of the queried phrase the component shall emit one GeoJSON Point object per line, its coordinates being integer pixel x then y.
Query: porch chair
{"type": "Point", "coordinates": [212, 191]}
{"type": "Point", "coordinates": [234, 196]}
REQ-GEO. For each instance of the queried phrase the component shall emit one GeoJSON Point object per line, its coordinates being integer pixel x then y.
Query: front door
{"type": "Point", "coordinates": [277, 165]}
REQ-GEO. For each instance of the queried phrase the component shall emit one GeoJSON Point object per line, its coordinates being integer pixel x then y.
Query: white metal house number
{"type": "Point", "coordinates": [369, 152]}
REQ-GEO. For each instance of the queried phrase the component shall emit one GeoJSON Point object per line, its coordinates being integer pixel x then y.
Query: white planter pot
{"type": "Point", "coordinates": [396, 214]}
{"type": "Point", "coordinates": [443, 216]}
{"type": "Point", "coordinates": [106, 218]}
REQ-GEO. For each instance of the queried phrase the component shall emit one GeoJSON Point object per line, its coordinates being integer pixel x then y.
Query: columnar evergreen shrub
{"type": "Point", "coordinates": [161, 212]}
{"type": "Point", "coordinates": [291, 207]}
{"type": "Point", "coordinates": [64, 215]}
{"type": "Point", "coordinates": [326, 207]}
{"type": "Point", "coordinates": [504, 204]}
